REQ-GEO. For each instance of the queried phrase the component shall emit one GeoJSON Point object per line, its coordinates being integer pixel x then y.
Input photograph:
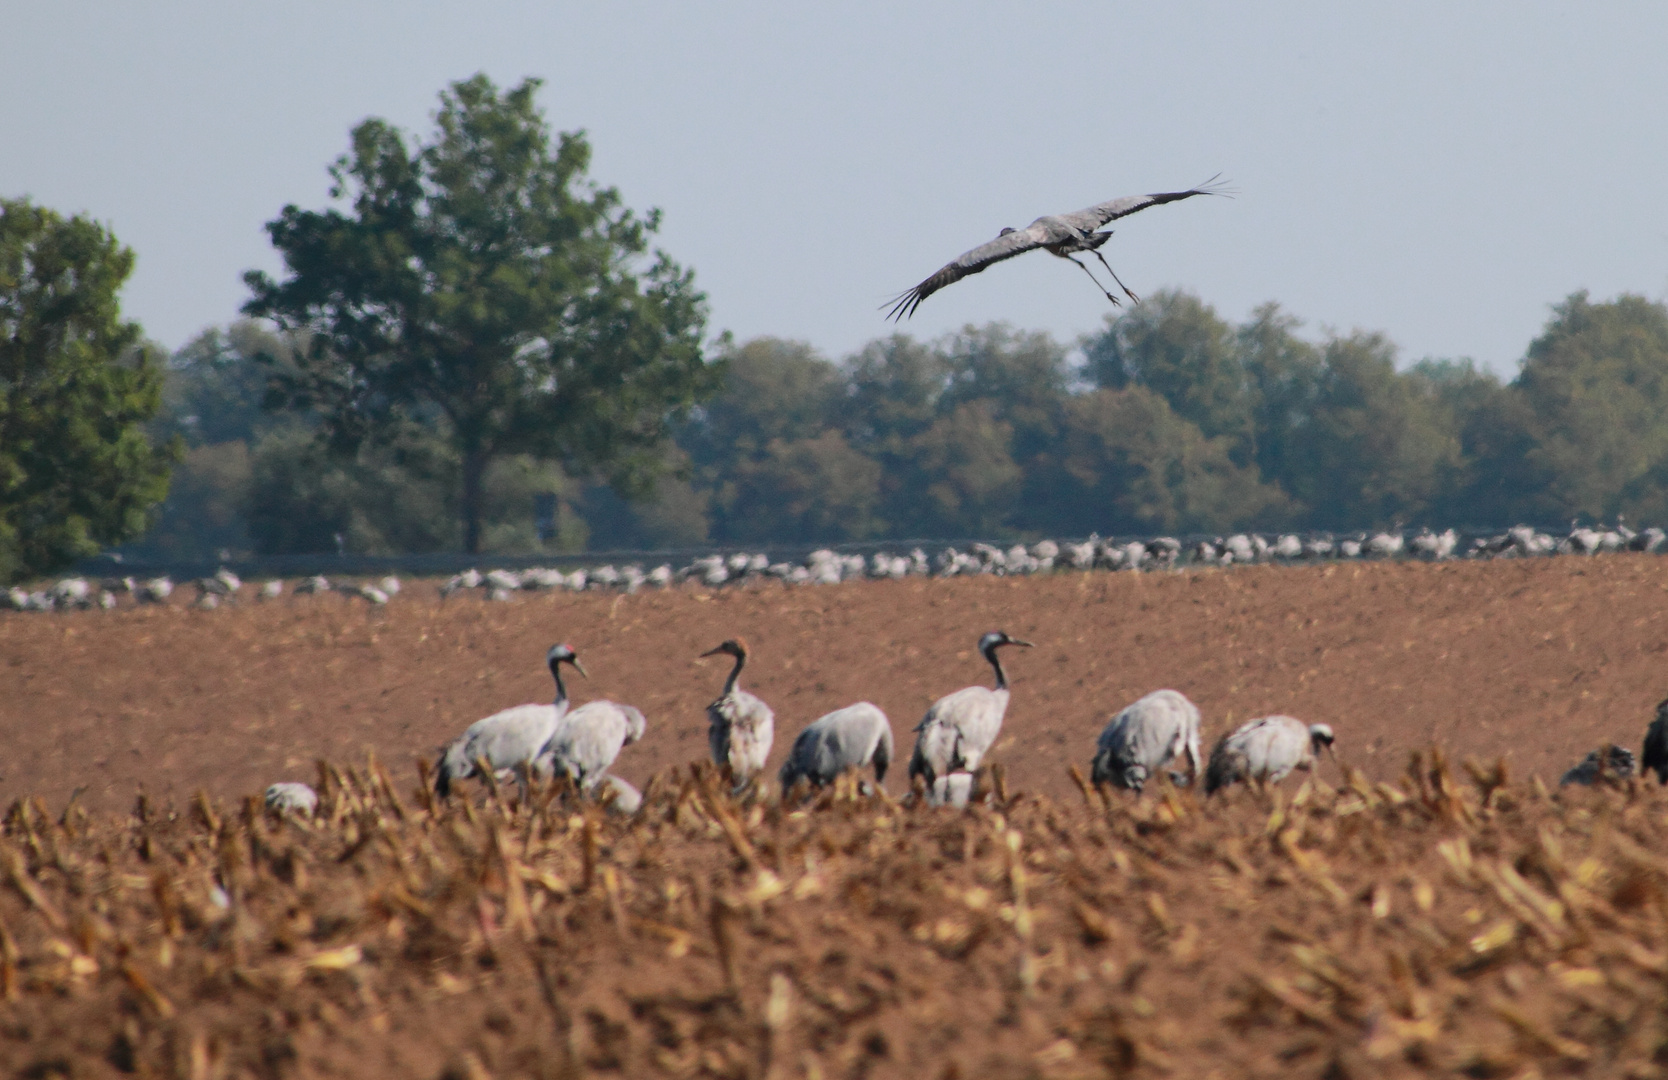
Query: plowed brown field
{"type": "Point", "coordinates": [1386, 920]}
{"type": "Point", "coordinates": [1536, 661]}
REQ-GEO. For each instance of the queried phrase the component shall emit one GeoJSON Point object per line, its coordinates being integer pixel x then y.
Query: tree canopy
{"type": "Point", "coordinates": [480, 286]}
{"type": "Point", "coordinates": [78, 470]}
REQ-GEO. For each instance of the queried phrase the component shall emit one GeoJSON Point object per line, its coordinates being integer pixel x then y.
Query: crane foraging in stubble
{"type": "Point", "coordinates": [1266, 751]}
{"type": "Point", "coordinates": [742, 726]}
{"type": "Point", "coordinates": [1146, 736]}
{"type": "Point", "coordinates": [1063, 235]}
{"type": "Point", "coordinates": [847, 738]}
{"type": "Point", "coordinates": [588, 739]}
{"type": "Point", "coordinates": [510, 739]}
{"type": "Point", "coordinates": [960, 727]}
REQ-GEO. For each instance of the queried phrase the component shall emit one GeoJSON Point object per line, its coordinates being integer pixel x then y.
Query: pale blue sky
{"type": "Point", "coordinates": [1440, 172]}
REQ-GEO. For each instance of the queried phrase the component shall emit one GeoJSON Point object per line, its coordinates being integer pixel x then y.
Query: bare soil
{"type": "Point", "coordinates": [1377, 920]}
{"type": "Point", "coordinates": [1535, 661]}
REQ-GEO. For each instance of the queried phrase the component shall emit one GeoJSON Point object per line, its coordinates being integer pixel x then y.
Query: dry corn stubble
{"type": "Point", "coordinates": [1437, 926]}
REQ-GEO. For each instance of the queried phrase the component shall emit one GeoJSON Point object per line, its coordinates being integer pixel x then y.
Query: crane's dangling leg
{"type": "Point", "coordinates": [1115, 301]}
{"type": "Point", "coordinates": [1114, 274]}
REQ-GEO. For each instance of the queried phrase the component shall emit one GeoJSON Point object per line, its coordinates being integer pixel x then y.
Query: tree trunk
{"type": "Point", "coordinates": [474, 470]}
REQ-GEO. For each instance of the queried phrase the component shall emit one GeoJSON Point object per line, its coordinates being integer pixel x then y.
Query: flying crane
{"type": "Point", "coordinates": [1058, 234]}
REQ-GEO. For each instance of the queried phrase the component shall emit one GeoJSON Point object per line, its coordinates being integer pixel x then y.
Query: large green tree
{"type": "Point", "coordinates": [77, 468]}
{"type": "Point", "coordinates": [769, 452]}
{"type": "Point", "coordinates": [480, 283]}
{"type": "Point", "coordinates": [1135, 465]}
{"type": "Point", "coordinates": [1596, 381]}
{"type": "Point", "coordinates": [212, 392]}
{"type": "Point", "coordinates": [1177, 346]}
{"type": "Point", "coordinates": [1378, 446]}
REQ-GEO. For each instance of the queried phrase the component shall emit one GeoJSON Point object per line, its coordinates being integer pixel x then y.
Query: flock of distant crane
{"type": "Point", "coordinates": [828, 567]}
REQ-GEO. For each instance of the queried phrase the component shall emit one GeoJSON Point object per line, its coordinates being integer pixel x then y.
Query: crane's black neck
{"type": "Point", "coordinates": [561, 688]}
{"type": "Point", "coordinates": [735, 674]}
{"type": "Point", "coordinates": [996, 662]}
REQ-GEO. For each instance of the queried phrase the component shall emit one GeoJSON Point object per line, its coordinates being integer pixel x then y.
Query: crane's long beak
{"type": "Point", "coordinates": [577, 666]}
{"type": "Point", "coordinates": [1016, 641]}
{"type": "Point", "coordinates": [711, 652]}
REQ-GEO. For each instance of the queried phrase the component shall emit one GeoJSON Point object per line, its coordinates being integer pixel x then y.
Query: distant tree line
{"type": "Point", "coordinates": [1173, 419]}
{"type": "Point", "coordinates": [1170, 419]}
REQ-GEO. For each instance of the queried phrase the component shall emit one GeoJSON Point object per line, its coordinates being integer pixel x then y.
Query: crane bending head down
{"type": "Point", "coordinates": [510, 739]}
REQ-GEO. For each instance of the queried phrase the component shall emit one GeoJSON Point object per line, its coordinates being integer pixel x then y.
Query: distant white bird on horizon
{"type": "Point", "coordinates": [959, 729]}
{"type": "Point", "coordinates": [741, 726]}
{"type": "Point", "coordinates": [1062, 235]}
{"type": "Point", "coordinates": [510, 739]}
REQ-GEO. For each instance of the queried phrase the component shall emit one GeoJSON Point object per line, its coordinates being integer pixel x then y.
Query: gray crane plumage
{"type": "Point", "coordinates": [954, 790]}
{"type": "Point", "coordinates": [847, 738]}
{"type": "Point", "coordinates": [959, 729]}
{"type": "Point", "coordinates": [510, 739]}
{"type": "Point", "coordinates": [741, 727]}
{"type": "Point", "coordinates": [622, 797]}
{"type": "Point", "coordinates": [1059, 234]}
{"type": "Point", "coordinates": [1145, 737]}
{"type": "Point", "coordinates": [1265, 750]}
{"type": "Point", "coordinates": [589, 738]}
{"type": "Point", "coordinates": [292, 797]}
{"type": "Point", "coordinates": [1612, 764]}
{"type": "Point", "coordinates": [1654, 756]}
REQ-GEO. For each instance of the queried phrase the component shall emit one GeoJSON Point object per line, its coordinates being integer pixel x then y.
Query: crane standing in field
{"type": "Point", "coordinates": [1265, 750]}
{"type": "Point", "coordinates": [847, 738]}
{"type": "Point", "coordinates": [959, 729]}
{"type": "Point", "coordinates": [1146, 736]}
{"type": "Point", "coordinates": [741, 726]}
{"type": "Point", "coordinates": [510, 739]}
{"type": "Point", "coordinates": [1058, 234]}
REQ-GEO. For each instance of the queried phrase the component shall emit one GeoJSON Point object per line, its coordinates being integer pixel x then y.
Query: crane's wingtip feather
{"type": "Point", "coordinates": [1217, 186]}
{"type": "Point", "coordinates": [902, 306]}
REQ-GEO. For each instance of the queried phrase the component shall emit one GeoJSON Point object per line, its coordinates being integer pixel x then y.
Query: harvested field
{"type": "Point", "coordinates": [1436, 928]}
{"type": "Point", "coordinates": [1380, 920]}
{"type": "Point", "coordinates": [1535, 660]}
